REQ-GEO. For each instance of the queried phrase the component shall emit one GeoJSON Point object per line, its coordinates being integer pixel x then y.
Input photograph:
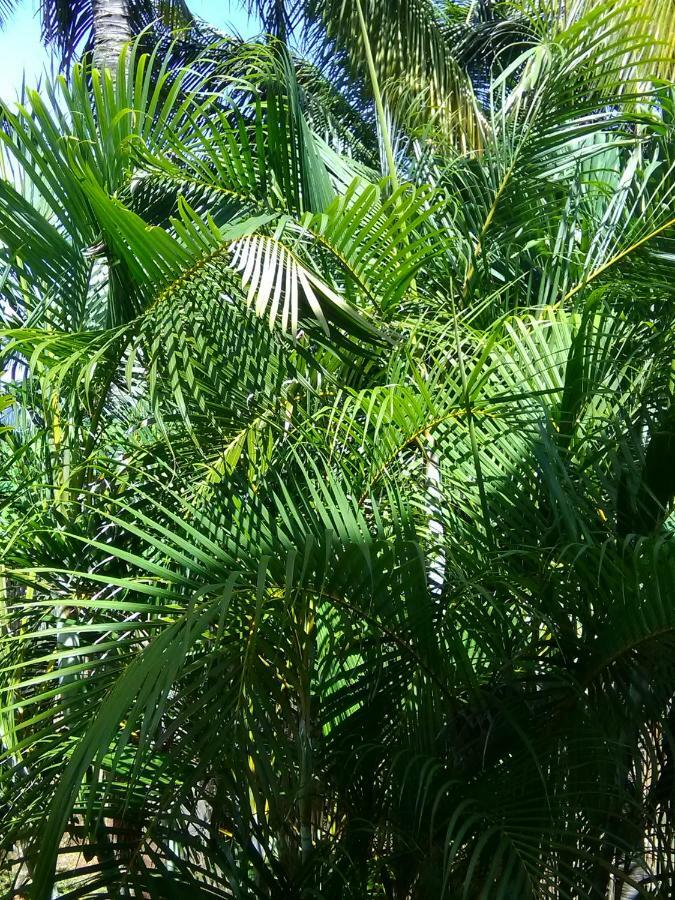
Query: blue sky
{"type": "Point", "coordinates": [22, 52]}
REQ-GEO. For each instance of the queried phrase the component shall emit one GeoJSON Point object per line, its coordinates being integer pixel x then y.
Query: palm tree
{"type": "Point", "coordinates": [111, 23]}
{"type": "Point", "coordinates": [341, 508]}
{"type": "Point", "coordinates": [101, 26]}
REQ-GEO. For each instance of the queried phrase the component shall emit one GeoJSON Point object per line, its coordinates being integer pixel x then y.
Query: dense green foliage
{"type": "Point", "coordinates": [338, 557]}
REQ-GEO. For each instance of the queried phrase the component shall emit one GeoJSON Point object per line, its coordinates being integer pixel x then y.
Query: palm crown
{"type": "Point", "coordinates": [338, 559]}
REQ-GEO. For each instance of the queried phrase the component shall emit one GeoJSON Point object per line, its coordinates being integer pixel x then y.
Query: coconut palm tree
{"type": "Point", "coordinates": [101, 26]}
{"type": "Point", "coordinates": [111, 24]}
{"type": "Point", "coordinates": [340, 505]}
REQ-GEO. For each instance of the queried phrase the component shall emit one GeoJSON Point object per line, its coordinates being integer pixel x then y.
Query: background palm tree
{"type": "Point", "coordinates": [112, 28]}
{"type": "Point", "coordinates": [100, 25]}
{"type": "Point", "coordinates": [339, 556]}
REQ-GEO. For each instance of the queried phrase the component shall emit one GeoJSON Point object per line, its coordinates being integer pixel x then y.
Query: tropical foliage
{"type": "Point", "coordinates": [337, 462]}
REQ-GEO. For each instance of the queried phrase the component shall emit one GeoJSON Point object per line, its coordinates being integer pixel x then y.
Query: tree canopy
{"type": "Point", "coordinates": [337, 459]}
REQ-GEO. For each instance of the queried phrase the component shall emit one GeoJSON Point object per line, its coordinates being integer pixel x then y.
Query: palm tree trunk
{"type": "Point", "coordinates": [112, 30]}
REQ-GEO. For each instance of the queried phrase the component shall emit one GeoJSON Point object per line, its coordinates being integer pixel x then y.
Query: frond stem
{"type": "Point", "coordinates": [377, 95]}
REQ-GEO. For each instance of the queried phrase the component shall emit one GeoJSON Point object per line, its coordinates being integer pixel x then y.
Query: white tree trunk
{"type": "Point", "coordinates": [112, 30]}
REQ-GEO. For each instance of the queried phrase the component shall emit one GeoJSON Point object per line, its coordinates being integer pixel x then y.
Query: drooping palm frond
{"type": "Point", "coordinates": [497, 29]}
{"type": "Point", "coordinates": [411, 57]}
{"type": "Point", "coordinates": [652, 25]}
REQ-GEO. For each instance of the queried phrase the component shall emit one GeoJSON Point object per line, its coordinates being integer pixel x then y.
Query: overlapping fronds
{"type": "Point", "coordinates": [339, 537]}
{"type": "Point", "coordinates": [423, 84]}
